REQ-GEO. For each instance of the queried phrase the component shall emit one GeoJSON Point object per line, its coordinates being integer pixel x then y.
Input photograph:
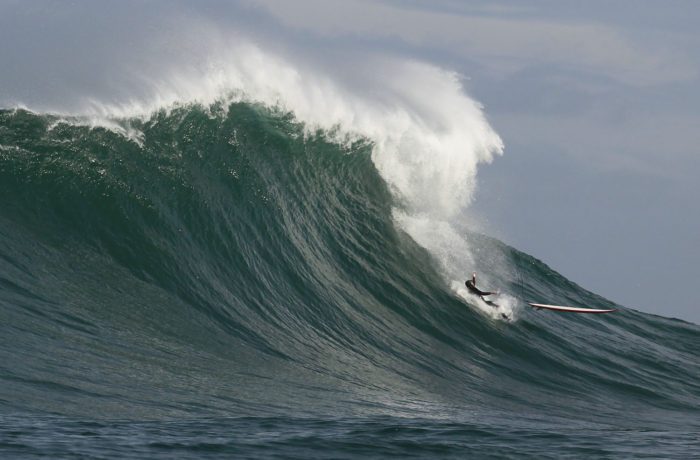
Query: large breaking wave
{"type": "Point", "coordinates": [234, 259]}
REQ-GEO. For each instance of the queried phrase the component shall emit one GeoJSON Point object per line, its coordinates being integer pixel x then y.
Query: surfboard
{"type": "Point", "coordinates": [569, 309]}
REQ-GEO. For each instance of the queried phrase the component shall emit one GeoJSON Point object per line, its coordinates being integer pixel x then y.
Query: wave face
{"type": "Point", "coordinates": [225, 261]}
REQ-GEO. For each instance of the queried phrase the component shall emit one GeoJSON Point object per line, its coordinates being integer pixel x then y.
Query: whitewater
{"type": "Point", "coordinates": [259, 258]}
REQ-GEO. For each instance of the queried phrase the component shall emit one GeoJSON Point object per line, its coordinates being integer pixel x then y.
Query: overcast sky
{"type": "Point", "coordinates": [597, 103]}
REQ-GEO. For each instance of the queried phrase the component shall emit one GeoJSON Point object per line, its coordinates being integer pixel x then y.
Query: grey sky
{"type": "Point", "coordinates": [597, 103]}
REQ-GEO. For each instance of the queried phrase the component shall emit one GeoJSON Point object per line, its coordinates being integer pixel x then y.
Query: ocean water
{"type": "Point", "coordinates": [229, 280]}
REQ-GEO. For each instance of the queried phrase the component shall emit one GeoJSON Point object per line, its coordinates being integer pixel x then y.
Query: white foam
{"type": "Point", "coordinates": [429, 135]}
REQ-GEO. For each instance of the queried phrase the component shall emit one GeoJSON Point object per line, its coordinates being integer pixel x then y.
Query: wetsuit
{"type": "Point", "coordinates": [471, 285]}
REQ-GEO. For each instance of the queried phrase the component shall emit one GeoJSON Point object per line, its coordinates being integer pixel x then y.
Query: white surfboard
{"type": "Point", "coordinates": [569, 309]}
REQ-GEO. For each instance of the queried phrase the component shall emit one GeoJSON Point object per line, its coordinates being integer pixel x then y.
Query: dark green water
{"type": "Point", "coordinates": [213, 282]}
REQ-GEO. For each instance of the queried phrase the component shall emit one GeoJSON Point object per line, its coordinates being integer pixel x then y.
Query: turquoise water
{"type": "Point", "coordinates": [215, 281]}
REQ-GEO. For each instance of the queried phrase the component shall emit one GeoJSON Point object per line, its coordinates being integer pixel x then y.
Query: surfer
{"type": "Point", "coordinates": [471, 285]}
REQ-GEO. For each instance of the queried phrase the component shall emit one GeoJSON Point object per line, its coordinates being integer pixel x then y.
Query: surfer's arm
{"type": "Point", "coordinates": [482, 293]}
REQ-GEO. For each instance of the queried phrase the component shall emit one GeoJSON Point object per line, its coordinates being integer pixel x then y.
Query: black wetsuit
{"type": "Point", "coordinates": [471, 284]}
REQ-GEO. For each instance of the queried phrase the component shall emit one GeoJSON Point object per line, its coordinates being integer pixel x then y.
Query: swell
{"type": "Point", "coordinates": [225, 260]}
